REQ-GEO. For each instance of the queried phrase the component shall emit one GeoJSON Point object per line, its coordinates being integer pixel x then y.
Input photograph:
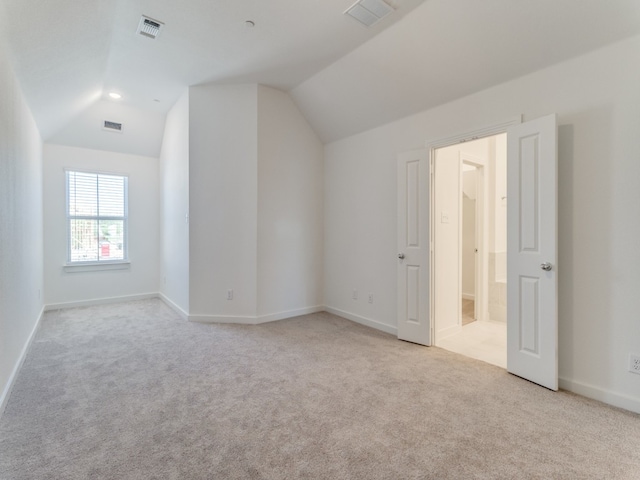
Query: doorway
{"type": "Point", "coordinates": [531, 251]}
{"type": "Point", "coordinates": [469, 232]}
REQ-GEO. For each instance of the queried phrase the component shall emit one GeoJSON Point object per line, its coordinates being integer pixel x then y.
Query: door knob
{"type": "Point", "coordinates": [546, 266]}
{"type": "Point", "coordinates": [401, 256]}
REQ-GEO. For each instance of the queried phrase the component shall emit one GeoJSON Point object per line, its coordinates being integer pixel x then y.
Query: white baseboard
{"type": "Point", "coordinates": [223, 319]}
{"type": "Point", "coordinates": [254, 320]}
{"type": "Point", "coordinates": [173, 306]}
{"type": "Point", "coordinates": [606, 396]}
{"type": "Point", "coordinates": [289, 314]}
{"type": "Point", "coordinates": [363, 320]}
{"type": "Point", "coordinates": [6, 392]}
{"type": "Point", "coordinates": [99, 301]}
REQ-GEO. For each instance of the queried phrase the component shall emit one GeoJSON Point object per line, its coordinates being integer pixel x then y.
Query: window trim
{"type": "Point", "coordinates": [97, 265]}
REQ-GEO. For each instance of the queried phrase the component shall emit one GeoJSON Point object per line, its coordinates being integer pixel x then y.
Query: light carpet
{"type": "Point", "coordinates": [130, 391]}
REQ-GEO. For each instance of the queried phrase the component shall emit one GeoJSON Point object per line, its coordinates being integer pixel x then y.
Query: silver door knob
{"type": "Point", "coordinates": [401, 256]}
{"type": "Point", "coordinates": [546, 266]}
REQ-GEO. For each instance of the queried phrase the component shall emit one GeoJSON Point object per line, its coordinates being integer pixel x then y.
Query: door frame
{"type": "Point", "coordinates": [432, 146]}
{"type": "Point", "coordinates": [481, 258]}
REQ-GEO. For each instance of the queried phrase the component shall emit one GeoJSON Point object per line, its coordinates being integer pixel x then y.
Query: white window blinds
{"type": "Point", "coordinates": [96, 217]}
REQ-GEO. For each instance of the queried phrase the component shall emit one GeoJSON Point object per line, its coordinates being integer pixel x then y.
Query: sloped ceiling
{"type": "Point", "coordinates": [68, 54]}
{"type": "Point", "coordinates": [447, 49]}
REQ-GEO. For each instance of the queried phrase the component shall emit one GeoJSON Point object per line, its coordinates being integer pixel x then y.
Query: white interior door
{"type": "Point", "coordinates": [532, 284]}
{"type": "Point", "coordinates": [413, 247]}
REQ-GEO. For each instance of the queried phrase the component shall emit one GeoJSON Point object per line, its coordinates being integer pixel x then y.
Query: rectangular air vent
{"type": "Point", "coordinates": [149, 27]}
{"type": "Point", "coordinates": [112, 126]}
{"type": "Point", "coordinates": [369, 12]}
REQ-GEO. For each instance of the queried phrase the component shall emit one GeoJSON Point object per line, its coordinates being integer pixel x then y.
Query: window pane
{"type": "Point", "coordinates": [84, 240]}
{"type": "Point", "coordinates": [111, 240]}
{"type": "Point", "coordinates": [111, 196]}
{"type": "Point", "coordinates": [83, 200]}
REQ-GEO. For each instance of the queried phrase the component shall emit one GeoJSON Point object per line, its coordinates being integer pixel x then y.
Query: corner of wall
{"type": "Point", "coordinates": [173, 278]}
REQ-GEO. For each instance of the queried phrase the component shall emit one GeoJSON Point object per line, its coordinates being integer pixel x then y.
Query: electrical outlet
{"type": "Point", "coordinates": [371, 298]}
{"type": "Point", "coordinates": [634, 363]}
{"type": "Point", "coordinates": [229, 294]}
{"type": "Point", "coordinates": [354, 295]}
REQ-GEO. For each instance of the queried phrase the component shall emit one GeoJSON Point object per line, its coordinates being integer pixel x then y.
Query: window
{"type": "Point", "coordinates": [96, 217]}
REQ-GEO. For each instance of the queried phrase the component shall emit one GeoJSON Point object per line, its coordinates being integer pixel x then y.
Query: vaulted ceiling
{"type": "Point", "coordinates": [69, 54]}
{"type": "Point", "coordinates": [447, 49]}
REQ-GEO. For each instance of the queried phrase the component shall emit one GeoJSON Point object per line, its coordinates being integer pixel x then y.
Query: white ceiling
{"type": "Point", "coordinates": [68, 54]}
{"type": "Point", "coordinates": [447, 49]}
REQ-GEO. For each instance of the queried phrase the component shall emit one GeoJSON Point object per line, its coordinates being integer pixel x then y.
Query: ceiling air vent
{"type": "Point", "coordinates": [112, 126]}
{"type": "Point", "coordinates": [369, 12]}
{"type": "Point", "coordinates": [148, 27]}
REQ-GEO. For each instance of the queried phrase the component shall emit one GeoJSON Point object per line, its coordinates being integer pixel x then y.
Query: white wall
{"type": "Point", "coordinates": [21, 282]}
{"type": "Point", "coordinates": [447, 224]}
{"type": "Point", "coordinates": [255, 200]}
{"type": "Point", "coordinates": [142, 277]}
{"type": "Point", "coordinates": [290, 207]}
{"type": "Point", "coordinates": [597, 100]}
{"type": "Point", "coordinates": [360, 227]}
{"type": "Point", "coordinates": [499, 193]}
{"type": "Point", "coordinates": [223, 199]}
{"type": "Point", "coordinates": [174, 206]}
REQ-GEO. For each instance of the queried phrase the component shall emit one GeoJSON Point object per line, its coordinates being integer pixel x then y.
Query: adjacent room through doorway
{"type": "Point", "coordinates": [470, 245]}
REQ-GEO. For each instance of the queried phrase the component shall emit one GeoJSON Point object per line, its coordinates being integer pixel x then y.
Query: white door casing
{"type": "Point", "coordinates": [413, 248]}
{"type": "Point", "coordinates": [532, 284]}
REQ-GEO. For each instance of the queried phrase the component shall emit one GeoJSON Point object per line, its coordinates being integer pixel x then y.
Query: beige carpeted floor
{"type": "Point", "coordinates": [130, 391]}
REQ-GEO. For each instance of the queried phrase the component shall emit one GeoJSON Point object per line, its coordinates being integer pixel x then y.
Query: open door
{"type": "Point", "coordinates": [413, 248]}
{"type": "Point", "coordinates": [532, 276]}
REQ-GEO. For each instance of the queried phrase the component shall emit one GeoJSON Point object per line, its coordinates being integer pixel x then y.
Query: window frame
{"type": "Point", "coordinates": [89, 265]}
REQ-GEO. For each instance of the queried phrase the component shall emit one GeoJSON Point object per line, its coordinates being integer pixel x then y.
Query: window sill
{"type": "Point", "coordinates": [96, 267]}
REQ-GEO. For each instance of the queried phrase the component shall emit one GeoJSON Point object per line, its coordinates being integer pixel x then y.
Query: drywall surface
{"type": "Point", "coordinates": [21, 280]}
{"type": "Point", "coordinates": [141, 278]}
{"type": "Point", "coordinates": [443, 50]}
{"type": "Point", "coordinates": [223, 203]}
{"type": "Point", "coordinates": [597, 100]}
{"type": "Point", "coordinates": [290, 206]}
{"type": "Point", "coordinates": [499, 193]}
{"type": "Point", "coordinates": [446, 242]}
{"type": "Point", "coordinates": [174, 206]}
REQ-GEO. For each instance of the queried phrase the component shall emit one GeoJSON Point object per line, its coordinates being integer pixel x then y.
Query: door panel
{"type": "Point", "coordinates": [532, 318]}
{"type": "Point", "coordinates": [413, 245]}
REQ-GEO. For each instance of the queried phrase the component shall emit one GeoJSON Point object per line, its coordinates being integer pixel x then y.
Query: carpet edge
{"type": "Point", "coordinates": [6, 392]}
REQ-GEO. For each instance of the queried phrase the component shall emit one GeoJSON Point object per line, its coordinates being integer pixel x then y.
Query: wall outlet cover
{"type": "Point", "coordinates": [634, 363]}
